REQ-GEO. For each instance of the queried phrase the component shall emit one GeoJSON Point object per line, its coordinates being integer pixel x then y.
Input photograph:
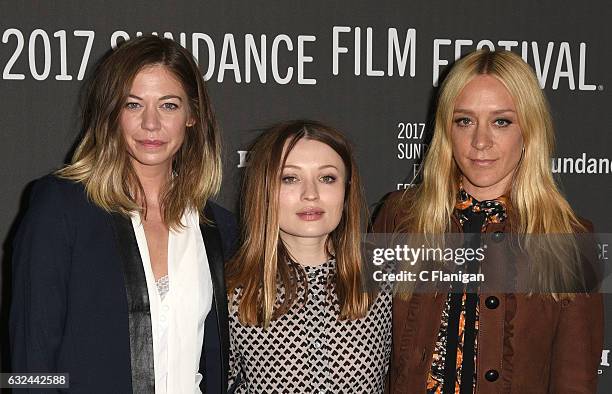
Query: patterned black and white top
{"type": "Point", "coordinates": [308, 349]}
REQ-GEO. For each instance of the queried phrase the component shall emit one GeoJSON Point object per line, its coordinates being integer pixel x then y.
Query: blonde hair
{"type": "Point", "coordinates": [101, 162]}
{"type": "Point", "coordinates": [263, 263]}
{"type": "Point", "coordinates": [536, 204]}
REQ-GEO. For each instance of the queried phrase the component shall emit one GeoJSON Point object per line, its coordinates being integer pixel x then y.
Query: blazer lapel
{"type": "Point", "coordinates": [139, 313]}
{"type": "Point", "coordinates": [214, 253]}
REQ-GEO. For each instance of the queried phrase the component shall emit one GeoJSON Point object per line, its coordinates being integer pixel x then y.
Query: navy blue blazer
{"type": "Point", "coordinates": [80, 303]}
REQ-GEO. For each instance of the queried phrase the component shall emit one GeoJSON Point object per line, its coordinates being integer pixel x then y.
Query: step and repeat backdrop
{"type": "Point", "coordinates": [368, 68]}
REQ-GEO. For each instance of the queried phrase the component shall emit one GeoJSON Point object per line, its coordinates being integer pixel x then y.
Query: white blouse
{"type": "Point", "coordinates": [177, 319]}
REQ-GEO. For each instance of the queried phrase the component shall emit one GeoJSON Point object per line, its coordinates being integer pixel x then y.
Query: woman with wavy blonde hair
{"type": "Point", "coordinates": [118, 263]}
{"type": "Point", "coordinates": [487, 170]}
{"type": "Point", "coordinates": [302, 319]}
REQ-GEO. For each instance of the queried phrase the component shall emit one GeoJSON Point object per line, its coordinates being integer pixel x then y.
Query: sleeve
{"type": "Point", "coordinates": [236, 381]}
{"type": "Point", "coordinates": [389, 349]}
{"type": "Point", "coordinates": [40, 267]}
{"type": "Point", "coordinates": [577, 345]}
{"type": "Point", "coordinates": [579, 338]}
{"type": "Point", "coordinates": [384, 221]}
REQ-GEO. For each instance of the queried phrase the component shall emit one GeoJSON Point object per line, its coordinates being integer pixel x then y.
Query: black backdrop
{"type": "Point", "coordinates": [368, 69]}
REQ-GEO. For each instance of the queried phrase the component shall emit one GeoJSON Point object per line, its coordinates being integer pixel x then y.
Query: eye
{"type": "Point", "coordinates": [132, 105]}
{"type": "Point", "coordinates": [289, 179]}
{"type": "Point", "coordinates": [169, 106]}
{"type": "Point", "coordinates": [328, 179]}
{"type": "Point", "coordinates": [463, 122]}
{"type": "Point", "coordinates": [502, 122]}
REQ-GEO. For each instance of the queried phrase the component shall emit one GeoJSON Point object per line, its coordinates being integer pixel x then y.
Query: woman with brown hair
{"type": "Point", "coordinates": [488, 171]}
{"type": "Point", "coordinates": [118, 263]}
{"type": "Point", "coordinates": [302, 319]}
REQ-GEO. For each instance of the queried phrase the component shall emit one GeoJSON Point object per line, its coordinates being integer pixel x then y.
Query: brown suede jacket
{"type": "Point", "coordinates": [526, 344]}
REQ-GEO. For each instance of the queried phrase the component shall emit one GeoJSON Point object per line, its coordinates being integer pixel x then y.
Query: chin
{"type": "Point", "coordinates": [150, 160]}
{"type": "Point", "coordinates": [308, 233]}
{"type": "Point", "coordinates": [483, 180]}
{"type": "Point", "coordinates": [313, 234]}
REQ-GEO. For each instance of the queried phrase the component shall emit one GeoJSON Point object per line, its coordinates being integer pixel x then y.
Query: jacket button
{"type": "Point", "coordinates": [491, 375]}
{"type": "Point", "coordinates": [498, 236]}
{"type": "Point", "coordinates": [492, 302]}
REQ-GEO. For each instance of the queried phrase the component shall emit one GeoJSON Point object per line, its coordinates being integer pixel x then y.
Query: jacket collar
{"type": "Point", "coordinates": [214, 253]}
{"type": "Point", "coordinates": [139, 315]}
{"type": "Point", "coordinates": [139, 312]}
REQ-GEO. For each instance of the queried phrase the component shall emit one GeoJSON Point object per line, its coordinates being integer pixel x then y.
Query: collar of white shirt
{"type": "Point", "coordinates": [178, 319]}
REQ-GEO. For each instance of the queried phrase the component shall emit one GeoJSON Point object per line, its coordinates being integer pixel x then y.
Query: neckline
{"type": "Point", "coordinates": [324, 267]}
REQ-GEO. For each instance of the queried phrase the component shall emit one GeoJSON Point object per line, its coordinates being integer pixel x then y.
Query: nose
{"type": "Point", "coordinates": [150, 119]}
{"type": "Point", "coordinates": [310, 191]}
{"type": "Point", "coordinates": [482, 138]}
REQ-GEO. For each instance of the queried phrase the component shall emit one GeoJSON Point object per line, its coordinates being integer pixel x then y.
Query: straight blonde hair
{"type": "Point", "coordinates": [536, 204]}
{"type": "Point", "coordinates": [101, 162]}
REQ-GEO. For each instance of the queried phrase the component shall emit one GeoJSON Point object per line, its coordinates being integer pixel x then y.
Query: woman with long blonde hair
{"type": "Point", "coordinates": [488, 170]}
{"type": "Point", "coordinates": [302, 319]}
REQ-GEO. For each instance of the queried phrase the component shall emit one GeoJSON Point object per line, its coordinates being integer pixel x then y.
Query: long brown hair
{"type": "Point", "coordinates": [101, 161]}
{"type": "Point", "coordinates": [262, 263]}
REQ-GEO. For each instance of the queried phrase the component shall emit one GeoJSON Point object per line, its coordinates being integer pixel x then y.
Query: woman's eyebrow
{"type": "Point", "coordinates": [320, 168]}
{"type": "Point", "coordinates": [166, 97]}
